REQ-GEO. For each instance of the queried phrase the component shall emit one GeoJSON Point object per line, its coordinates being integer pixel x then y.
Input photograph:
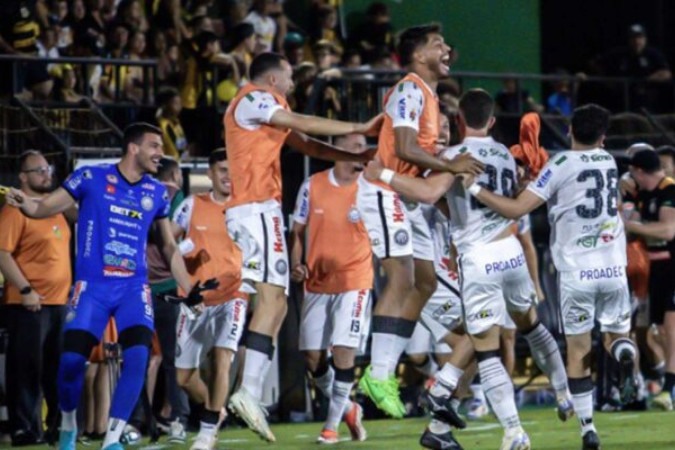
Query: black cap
{"type": "Point", "coordinates": [637, 30]}
{"type": "Point", "coordinates": [647, 160]}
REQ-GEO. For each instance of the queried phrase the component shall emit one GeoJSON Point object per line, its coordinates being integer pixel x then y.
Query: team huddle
{"type": "Point", "coordinates": [442, 221]}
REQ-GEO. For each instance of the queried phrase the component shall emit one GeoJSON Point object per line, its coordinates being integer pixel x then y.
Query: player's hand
{"type": "Point", "coordinates": [373, 170]}
{"type": "Point", "coordinates": [540, 294]}
{"type": "Point", "coordinates": [465, 163]}
{"type": "Point", "coordinates": [31, 301]}
{"type": "Point", "coordinates": [467, 179]}
{"type": "Point", "coordinates": [299, 273]}
{"type": "Point", "coordinates": [195, 296]}
{"type": "Point", "coordinates": [372, 127]}
{"type": "Point", "coordinates": [627, 186]}
{"type": "Point", "coordinates": [15, 197]}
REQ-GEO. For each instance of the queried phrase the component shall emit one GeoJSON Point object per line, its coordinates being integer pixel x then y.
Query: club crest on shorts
{"type": "Point", "coordinates": [281, 267]}
{"type": "Point", "coordinates": [147, 203]}
{"type": "Point", "coordinates": [401, 237]}
{"type": "Point", "coordinates": [354, 216]}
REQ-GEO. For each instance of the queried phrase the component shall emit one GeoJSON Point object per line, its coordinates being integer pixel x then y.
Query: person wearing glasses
{"type": "Point", "coordinates": [35, 261]}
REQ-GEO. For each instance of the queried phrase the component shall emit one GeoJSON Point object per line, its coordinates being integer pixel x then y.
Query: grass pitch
{"type": "Point", "coordinates": [618, 431]}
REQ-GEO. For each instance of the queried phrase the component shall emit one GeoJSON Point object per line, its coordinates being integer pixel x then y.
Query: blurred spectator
{"type": "Point", "coordinates": [166, 314]}
{"type": "Point", "coordinates": [131, 14]}
{"type": "Point", "coordinates": [294, 48]}
{"type": "Point", "coordinates": [134, 82]}
{"type": "Point", "coordinates": [65, 82]}
{"type": "Point", "coordinates": [59, 19]}
{"type": "Point", "coordinates": [19, 31]}
{"type": "Point", "coordinates": [173, 136]}
{"type": "Point", "coordinates": [35, 259]}
{"type": "Point", "coordinates": [512, 99]}
{"type": "Point", "coordinates": [325, 27]}
{"type": "Point", "coordinates": [243, 42]}
{"type": "Point", "coordinates": [92, 27]}
{"type": "Point", "coordinates": [118, 41]}
{"type": "Point", "coordinates": [304, 78]}
{"type": "Point", "coordinates": [351, 59]}
{"type": "Point", "coordinates": [376, 32]}
{"type": "Point", "coordinates": [200, 23]}
{"type": "Point", "coordinates": [640, 61]}
{"type": "Point", "coordinates": [667, 157]}
{"type": "Point", "coordinates": [560, 101]}
{"type": "Point", "coordinates": [46, 46]}
{"type": "Point", "coordinates": [326, 55]}
{"type": "Point", "coordinates": [265, 26]}
{"type": "Point", "coordinates": [449, 91]}
{"type": "Point", "coordinates": [168, 59]}
{"type": "Point", "coordinates": [383, 59]}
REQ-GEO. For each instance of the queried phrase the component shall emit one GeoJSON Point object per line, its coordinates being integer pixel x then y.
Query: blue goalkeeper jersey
{"type": "Point", "coordinates": [114, 221]}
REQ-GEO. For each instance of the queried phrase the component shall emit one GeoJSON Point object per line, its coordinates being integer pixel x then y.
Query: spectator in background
{"type": "Point", "coordinates": [294, 48]}
{"type": "Point", "coordinates": [58, 18]}
{"type": "Point", "coordinates": [375, 33]}
{"type": "Point", "coordinates": [135, 84]}
{"type": "Point", "coordinates": [636, 60]}
{"type": "Point", "coordinates": [131, 13]}
{"type": "Point", "coordinates": [35, 260]}
{"type": "Point", "coordinates": [92, 26]}
{"type": "Point", "coordinates": [448, 92]}
{"type": "Point", "coordinates": [162, 284]}
{"type": "Point", "coordinates": [173, 136]}
{"type": "Point", "coordinates": [265, 26]}
{"type": "Point", "coordinates": [168, 62]}
{"type": "Point", "coordinates": [65, 82]}
{"type": "Point", "coordinates": [560, 101]}
{"type": "Point", "coordinates": [326, 55]}
{"type": "Point", "coordinates": [513, 99]}
{"type": "Point", "coordinates": [667, 157]}
{"type": "Point", "coordinates": [325, 27]}
{"type": "Point", "coordinates": [46, 46]}
{"type": "Point", "coordinates": [243, 43]}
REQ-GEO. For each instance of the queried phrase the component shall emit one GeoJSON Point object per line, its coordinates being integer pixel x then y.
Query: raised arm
{"type": "Point", "coordinates": [426, 190]}
{"type": "Point", "coordinates": [322, 150]}
{"type": "Point", "coordinates": [323, 127]}
{"type": "Point", "coordinates": [56, 202]}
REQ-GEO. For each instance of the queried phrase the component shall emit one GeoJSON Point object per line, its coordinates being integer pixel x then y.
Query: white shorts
{"type": "Point", "coordinates": [443, 311]}
{"type": "Point", "coordinates": [494, 279]}
{"type": "Point", "coordinates": [218, 326]}
{"type": "Point", "coordinates": [422, 240]}
{"type": "Point", "coordinates": [595, 294]}
{"type": "Point", "coordinates": [258, 231]}
{"type": "Point", "coordinates": [385, 219]}
{"type": "Point", "coordinates": [421, 342]}
{"type": "Point", "coordinates": [335, 320]}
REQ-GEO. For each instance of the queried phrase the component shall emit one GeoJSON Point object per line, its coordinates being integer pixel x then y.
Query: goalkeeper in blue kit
{"type": "Point", "coordinates": [118, 206]}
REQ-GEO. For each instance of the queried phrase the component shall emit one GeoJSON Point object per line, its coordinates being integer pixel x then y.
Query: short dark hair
{"type": "Point", "coordinates": [477, 106]}
{"type": "Point", "coordinates": [166, 168]}
{"type": "Point", "coordinates": [647, 160]}
{"type": "Point", "coordinates": [666, 150]}
{"type": "Point", "coordinates": [23, 157]}
{"type": "Point", "coordinates": [413, 38]}
{"type": "Point", "coordinates": [217, 156]}
{"type": "Point", "coordinates": [589, 123]}
{"type": "Point", "coordinates": [263, 63]}
{"type": "Point", "coordinates": [134, 133]}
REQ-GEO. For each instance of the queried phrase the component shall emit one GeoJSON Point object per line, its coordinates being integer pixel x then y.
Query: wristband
{"type": "Point", "coordinates": [474, 189]}
{"type": "Point", "coordinates": [387, 176]}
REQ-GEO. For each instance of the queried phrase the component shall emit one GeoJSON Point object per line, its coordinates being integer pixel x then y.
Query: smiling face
{"type": "Point", "coordinates": [148, 153]}
{"type": "Point", "coordinates": [436, 55]}
{"type": "Point", "coordinates": [219, 174]}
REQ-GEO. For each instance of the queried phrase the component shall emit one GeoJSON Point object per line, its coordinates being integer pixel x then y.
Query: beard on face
{"type": "Point", "coordinates": [41, 188]}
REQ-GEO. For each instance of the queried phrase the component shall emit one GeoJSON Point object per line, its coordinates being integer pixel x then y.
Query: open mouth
{"type": "Point", "coordinates": [155, 160]}
{"type": "Point", "coordinates": [445, 63]}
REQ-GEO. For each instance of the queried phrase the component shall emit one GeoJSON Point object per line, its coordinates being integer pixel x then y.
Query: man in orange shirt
{"type": "Point", "coordinates": [35, 260]}
{"type": "Point", "coordinates": [399, 234]}
{"type": "Point", "coordinates": [338, 277]}
{"type": "Point", "coordinates": [209, 252]}
{"type": "Point", "coordinates": [258, 123]}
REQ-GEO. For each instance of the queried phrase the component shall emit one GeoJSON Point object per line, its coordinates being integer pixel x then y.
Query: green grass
{"type": "Point", "coordinates": [618, 431]}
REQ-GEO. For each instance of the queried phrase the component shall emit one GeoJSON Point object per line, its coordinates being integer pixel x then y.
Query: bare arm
{"type": "Point", "coordinates": [661, 75]}
{"type": "Point", "coordinates": [167, 244]}
{"type": "Point", "coordinates": [663, 229]}
{"type": "Point", "coordinates": [511, 208]}
{"type": "Point", "coordinates": [10, 269]}
{"type": "Point", "coordinates": [426, 190]}
{"type": "Point", "coordinates": [322, 150]}
{"type": "Point", "coordinates": [56, 202]}
{"type": "Point", "coordinates": [532, 261]}
{"type": "Point", "coordinates": [324, 127]}
{"type": "Point", "coordinates": [296, 244]}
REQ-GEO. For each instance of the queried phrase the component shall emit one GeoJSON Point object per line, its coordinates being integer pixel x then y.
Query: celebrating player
{"type": "Point", "coordinates": [338, 277]}
{"type": "Point", "coordinates": [210, 253]}
{"type": "Point", "coordinates": [401, 239]}
{"type": "Point", "coordinates": [258, 123]}
{"type": "Point", "coordinates": [589, 250]}
{"type": "Point", "coordinates": [492, 267]}
{"type": "Point", "coordinates": [118, 205]}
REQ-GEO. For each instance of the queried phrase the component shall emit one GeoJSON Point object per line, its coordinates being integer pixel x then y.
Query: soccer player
{"type": "Point", "coordinates": [258, 123]}
{"type": "Point", "coordinates": [492, 267]}
{"type": "Point", "coordinates": [210, 253]}
{"type": "Point", "coordinates": [656, 205]}
{"type": "Point", "coordinates": [338, 276]}
{"type": "Point", "coordinates": [589, 251]}
{"type": "Point", "coordinates": [118, 205]}
{"type": "Point", "coordinates": [399, 235]}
